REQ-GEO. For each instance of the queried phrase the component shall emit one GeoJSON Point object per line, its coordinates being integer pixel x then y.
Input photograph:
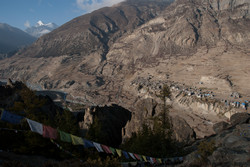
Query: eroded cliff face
{"type": "Point", "coordinates": [98, 58]}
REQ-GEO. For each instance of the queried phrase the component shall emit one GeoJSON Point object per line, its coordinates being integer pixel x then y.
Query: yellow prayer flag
{"type": "Point", "coordinates": [119, 152]}
{"type": "Point", "coordinates": [145, 159]}
{"type": "Point", "coordinates": [76, 140]}
{"type": "Point", "coordinates": [159, 160]}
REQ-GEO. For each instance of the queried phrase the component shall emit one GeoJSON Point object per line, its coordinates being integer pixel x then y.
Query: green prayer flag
{"type": "Point", "coordinates": [76, 140]}
{"type": "Point", "coordinates": [112, 150]}
{"type": "Point", "coordinates": [119, 152]}
{"type": "Point", "coordinates": [65, 136]}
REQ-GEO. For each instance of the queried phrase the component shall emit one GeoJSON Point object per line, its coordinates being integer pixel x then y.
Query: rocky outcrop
{"type": "Point", "coordinates": [231, 143]}
{"type": "Point", "coordinates": [233, 147]}
{"type": "Point", "coordinates": [15, 92]}
{"type": "Point", "coordinates": [112, 120]}
{"type": "Point", "coordinates": [239, 118]}
{"type": "Point", "coordinates": [220, 126]}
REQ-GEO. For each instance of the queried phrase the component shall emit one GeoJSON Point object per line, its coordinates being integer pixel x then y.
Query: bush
{"type": "Point", "coordinates": [205, 149]}
{"type": "Point", "coordinates": [43, 110]}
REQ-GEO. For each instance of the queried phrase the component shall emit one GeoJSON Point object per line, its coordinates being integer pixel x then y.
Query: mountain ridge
{"type": "Point", "coordinates": [97, 40]}
{"type": "Point", "coordinates": [12, 39]}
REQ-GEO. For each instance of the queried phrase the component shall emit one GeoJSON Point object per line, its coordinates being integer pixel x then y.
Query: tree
{"type": "Point", "coordinates": [41, 109]}
{"type": "Point", "coordinates": [154, 140]}
{"type": "Point", "coordinates": [205, 149]}
{"type": "Point", "coordinates": [163, 116]}
{"type": "Point", "coordinates": [95, 132]}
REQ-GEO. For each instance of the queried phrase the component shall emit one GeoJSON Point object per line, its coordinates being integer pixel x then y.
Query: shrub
{"type": "Point", "coordinates": [205, 149]}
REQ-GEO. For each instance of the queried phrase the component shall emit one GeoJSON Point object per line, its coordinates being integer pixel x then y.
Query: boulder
{"type": "Point", "coordinates": [243, 130]}
{"type": "Point", "coordinates": [182, 132]}
{"type": "Point", "coordinates": [220, 126]}
{"type": "Point", "coordinates": [229, 157]}
{"type": "Point", "coordinates": [239, 118]}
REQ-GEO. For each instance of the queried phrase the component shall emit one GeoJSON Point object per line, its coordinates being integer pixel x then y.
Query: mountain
{"type": "Point", "coordinates": [124, 54]}
{"type": "Point", "coordinates": [40, 29]}
{"type": "Point", "coordinates": [12, 39]}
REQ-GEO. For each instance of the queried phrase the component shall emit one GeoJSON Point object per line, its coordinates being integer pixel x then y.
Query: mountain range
{"type": "Point", "coordinates": [124, 54]}
{"type": "Point", "coordinates": [187, 41]}
{"type": "Point", "coordinates": [12, 39]}
{"type": "Point", "coordinates": [40, 29]}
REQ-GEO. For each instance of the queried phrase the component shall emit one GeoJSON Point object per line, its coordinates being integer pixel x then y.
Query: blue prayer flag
{"type": "Point", "coordinates": [87, 143]}
{"type": "Point", "coordinates": [125, 154]}
{"type": "Point", "coordinates": [11, 118]}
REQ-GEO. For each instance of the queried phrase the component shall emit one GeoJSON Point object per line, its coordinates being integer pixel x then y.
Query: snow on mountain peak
{"type": "Point", "coordinates": [39, 23]}
{"type": "Point", "coordinates": [40, 29]}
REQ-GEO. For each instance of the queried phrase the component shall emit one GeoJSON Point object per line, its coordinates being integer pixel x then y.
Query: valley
{"type": "Point", "coordinates": [119, 58]}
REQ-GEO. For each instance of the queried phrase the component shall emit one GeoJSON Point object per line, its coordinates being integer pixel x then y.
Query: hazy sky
{"type": "Point", "coordinates": [25, 13]}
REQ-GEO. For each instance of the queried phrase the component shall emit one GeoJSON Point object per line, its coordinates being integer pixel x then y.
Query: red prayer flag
{"type": "Point", "coordinates": [155, 160]}
{"type": "Point", "coordinates": [136, 156]}
{"type": "Point", "coordinates": [106, 149]}
{"type": "Point", "coordinates": [49, 132]}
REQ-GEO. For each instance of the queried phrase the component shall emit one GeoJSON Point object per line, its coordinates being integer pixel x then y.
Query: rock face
{"type": "Point", "coordinates": [220, 126]}
{"type": "Point", "coordinates": [112, 119]}
{"type": "Point", "coordinates": [182, 132]}
{"type": "Point", "coordinates": [125, 53]}
{"type": "Point", "coordinates": [232, 147]}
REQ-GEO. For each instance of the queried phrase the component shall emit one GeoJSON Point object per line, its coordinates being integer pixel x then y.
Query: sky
{"type": "Point", "coordinates": [26, 13]}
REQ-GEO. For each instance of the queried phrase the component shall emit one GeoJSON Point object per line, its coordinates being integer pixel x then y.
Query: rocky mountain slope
{"type": "Point", "coordinates": [125, 53]}
{"type": "Point", "coordinates": [12, 39]}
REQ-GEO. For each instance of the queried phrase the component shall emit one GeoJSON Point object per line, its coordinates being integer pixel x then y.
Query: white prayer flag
{"type": "Point", "coordinates": [35, 126]}
{"type": "Point", "coordinates": [98, 147]}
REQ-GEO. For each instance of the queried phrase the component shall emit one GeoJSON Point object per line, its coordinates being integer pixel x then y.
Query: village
{"type": "Point", "coordinates": [234, 100]}
{"type": "Point", "coordinates": [201, 94]}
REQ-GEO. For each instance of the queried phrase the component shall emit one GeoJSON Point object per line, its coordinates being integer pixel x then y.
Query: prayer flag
{"type": "Point", "coordinates": [76, 140]}
{"type": "Point", "coordinates": [11, 118]}
{"type": "Point", "coordinates": [151, 160]}
{"type": "Point", "coordinates": [154, 160]}
{"type": "Point", "coordinates": [112, 150]}
{"type": "Point", "coordinates": [159, 160]}
{"type": "Point", "coordinates": [98, 147]}
{"type": "Point", "coordinates": [145, 159]}
{"type": "Point", "coordinates": [65, 136]}
{"type": "Point", "coordinates": [49, 132]}
{"type": "Point", "coordinates": [35, 126]}
{"type": "Point", "coordinates": [106, 149]}
{"type": "Point", "coordinates": [119, 152]}
{"type": "Point", "coordinates": [87, 143]}
{"type": "Point", "coordinates": [137, 156]}
{"type": "Point", "coordinates": [131, 155]}
{"type": "Point", "coordinates": [125, 154]}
